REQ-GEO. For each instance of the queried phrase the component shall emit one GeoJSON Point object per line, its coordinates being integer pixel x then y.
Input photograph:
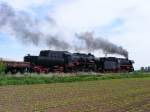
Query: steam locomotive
{"type": "Point", "coordinates": [64, 61]}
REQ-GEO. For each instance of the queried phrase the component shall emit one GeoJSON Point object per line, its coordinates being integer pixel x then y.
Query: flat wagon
{"type": "Point", "coordinates": [16, 66]}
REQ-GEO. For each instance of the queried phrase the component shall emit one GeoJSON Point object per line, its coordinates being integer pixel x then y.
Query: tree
{"type": "Point", "coordinates": [2, 66]}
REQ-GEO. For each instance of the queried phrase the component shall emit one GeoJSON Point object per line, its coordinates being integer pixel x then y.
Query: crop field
{"type": "Point", "coordinates": [114, 95]}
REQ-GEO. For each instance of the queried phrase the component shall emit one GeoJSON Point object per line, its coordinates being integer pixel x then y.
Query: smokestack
{"type": "Point", "coordinates": [92, 43]}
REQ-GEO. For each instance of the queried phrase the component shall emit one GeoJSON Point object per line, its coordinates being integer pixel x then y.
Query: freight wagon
{"type": "Point", "coordinates": [16, 66]}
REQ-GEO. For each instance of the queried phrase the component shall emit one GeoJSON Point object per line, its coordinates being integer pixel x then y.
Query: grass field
{"type": "Point", "coordinates": [29, 79]}
{"type": "Point", "coordinates": [117, 95]}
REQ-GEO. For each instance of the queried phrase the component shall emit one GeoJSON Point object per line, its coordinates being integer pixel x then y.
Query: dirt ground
{"type": "Point", "coordinates": [119, 95]}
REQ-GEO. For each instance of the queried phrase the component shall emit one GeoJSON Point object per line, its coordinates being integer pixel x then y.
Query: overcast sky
{"type": "Point", "coordinates": [125, 23]}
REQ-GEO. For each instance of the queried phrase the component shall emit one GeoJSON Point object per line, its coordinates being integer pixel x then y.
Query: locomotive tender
{"type": "Point", "coordinates": [64, 61]}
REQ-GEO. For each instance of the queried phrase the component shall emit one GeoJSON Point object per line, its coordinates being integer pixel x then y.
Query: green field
{"type": "Point", "coordinates": [117, 95]}
{"type": "Point", "coordinates": [28, 79]}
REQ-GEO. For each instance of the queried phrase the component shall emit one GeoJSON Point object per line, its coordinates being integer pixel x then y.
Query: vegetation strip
{"type": "Point", "coordinates": [37, 79]}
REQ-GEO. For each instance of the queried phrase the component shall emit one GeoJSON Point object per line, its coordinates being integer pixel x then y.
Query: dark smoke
{"type": "Point", "coordinates": [92, 44]}
{"type": "Point", "coordinates": [58, 43]}
{"type": "Point", "coordinates": [28, 29]}
{"type": "Point", "coordinates": [25, 28]}
{"type": "Point", "coordinates": [20, 23]}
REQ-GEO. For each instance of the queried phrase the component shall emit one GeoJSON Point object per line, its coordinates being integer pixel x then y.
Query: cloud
{"type": "Point", "coordinates": [26, 4]}
{"type": "Point", "coordinates": [86, 14]}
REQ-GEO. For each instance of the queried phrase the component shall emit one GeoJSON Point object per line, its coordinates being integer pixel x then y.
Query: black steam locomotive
{"type": "Point", "coordinates": [64, 61]}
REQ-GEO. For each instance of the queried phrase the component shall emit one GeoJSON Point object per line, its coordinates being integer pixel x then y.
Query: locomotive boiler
{"type": "Point", "coordinates": [113, 64]}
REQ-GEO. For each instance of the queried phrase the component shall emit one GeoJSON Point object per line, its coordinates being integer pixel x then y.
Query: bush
{"type": "Point", "coordinates": [2, 67]}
